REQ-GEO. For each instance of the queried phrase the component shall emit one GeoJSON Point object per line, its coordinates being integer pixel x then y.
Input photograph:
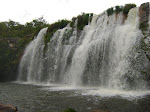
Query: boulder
{"type": "Point", "coordinates": [8, 108]}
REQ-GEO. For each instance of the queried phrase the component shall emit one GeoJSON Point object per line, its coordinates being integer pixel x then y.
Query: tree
{"type": "Point", "coordinates": [127, 7]}
{"type": "Point", "coordinates": [12, 23]}
{"type": "Point", "coordinates": [110, 11]}
{"type": "Point", "coordinates": [39, 22]}
{"type": "Point", "coordinates": [118, 9]}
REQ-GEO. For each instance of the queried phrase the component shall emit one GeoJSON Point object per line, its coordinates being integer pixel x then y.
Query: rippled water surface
{"type": "Point", "coordinates": [56, 98]}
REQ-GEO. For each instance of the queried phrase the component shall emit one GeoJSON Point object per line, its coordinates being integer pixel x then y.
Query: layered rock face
{"type": "Point", "coordinates": [144, 17]}
{"type": "Point", "coordinates": [144, 26]}
{"type": "Point", "coordinates": [7, 108]}
{"type": "Point", "coordinates": [144, 13]}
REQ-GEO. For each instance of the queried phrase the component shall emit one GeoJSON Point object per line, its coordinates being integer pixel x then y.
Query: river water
{"type": "Point", "coordinates": [56, 98]}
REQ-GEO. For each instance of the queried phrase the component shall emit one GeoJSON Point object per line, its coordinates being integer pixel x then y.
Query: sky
{"type": "Point", "coordinates": [23, 11]}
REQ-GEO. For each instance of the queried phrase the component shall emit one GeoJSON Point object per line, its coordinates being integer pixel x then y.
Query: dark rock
{"type": "Point", "coordinates": [144, 15]}
{"type": "Point", "coordinates": [124, 18]}
{"type": "Point", "coordinates": [8, 108]}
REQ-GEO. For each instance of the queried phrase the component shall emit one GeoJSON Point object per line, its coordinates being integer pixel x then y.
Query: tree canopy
{"type": "Point", "coordinates": [125, 9]}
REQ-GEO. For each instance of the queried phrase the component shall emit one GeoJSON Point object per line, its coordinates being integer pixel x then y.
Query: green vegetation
{"type": "Point", "coordinates": [53, 28]}
{"type": "Point", "coordinates": [83, 20]}
{"type": "Point", "coordinates": [110, 11]}
{"type": "Point", "coordinates": [13, 39]}
{"type": "Point", "coordinates": [118, 9]}
{"type": "Point", "coordinates": [13, 29]}
{"type": "Point", "coordinates": [7, 61]}
{"type": "Point", "coordinates": [70, 110]}
{"type": "Point", "coordinates": [143, 26]}
{"type": "Point", "coordinates": [125, 9]}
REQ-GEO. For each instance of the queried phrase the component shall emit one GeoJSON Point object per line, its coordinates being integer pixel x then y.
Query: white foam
{"type": "Point", "coordinates": [93, 91]}
{"type": "Point", "coordinates": [37, 84]}
{"type": "Point", "coordinates": [113, 92]}
{"type": "Point", "coordinates": [102, 92]}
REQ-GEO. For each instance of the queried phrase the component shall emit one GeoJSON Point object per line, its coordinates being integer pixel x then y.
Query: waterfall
{"type": "Point", "coordinates": [31, 66]}
{"type": "Point", "coordinates": [105, 54]}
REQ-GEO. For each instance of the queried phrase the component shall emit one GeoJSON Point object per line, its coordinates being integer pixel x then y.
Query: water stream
{"type": "Point", "coordinates": [102, 65]}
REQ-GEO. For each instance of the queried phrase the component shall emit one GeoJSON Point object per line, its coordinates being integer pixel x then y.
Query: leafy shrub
{"type": "Point", "coordinates": [143, 26]}
{"type": "Point", "coordinates": [70, 110]}
{"type": "Point", "coordinates": [73, 21]}
{"type": "Point", "coordinates": [53, 28]}
{"type": "Point", "coordinates": [19, 35]}
{"type": "Point", "coordinates": [118, 9]}
{"type": "Point", "coordinates": [110, 11]}
{"type": "Point", "coordinates": [127, 7]}
{"type": "Point", "coordinates": [82, 20]}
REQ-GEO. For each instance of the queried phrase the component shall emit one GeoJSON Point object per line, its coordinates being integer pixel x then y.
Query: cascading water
{"type": "Point", "coordinates": [106, 54]}
{"type": "Point", "coordinates": [31, 64]}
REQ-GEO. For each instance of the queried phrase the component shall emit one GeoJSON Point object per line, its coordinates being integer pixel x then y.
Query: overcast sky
{"type": "Point", "coordinates": [52, 10]}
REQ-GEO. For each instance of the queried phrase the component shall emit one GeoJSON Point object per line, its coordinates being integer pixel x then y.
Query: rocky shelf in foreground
{"type": "Point", "coordinates": [8, 108]}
